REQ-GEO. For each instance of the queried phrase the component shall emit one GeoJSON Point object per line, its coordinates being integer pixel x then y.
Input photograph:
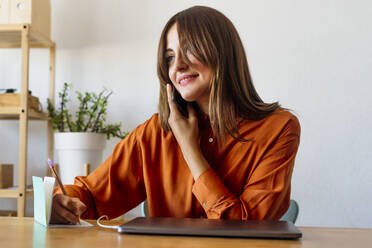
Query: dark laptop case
{"type": "Point", "coordinates": [207, 227]}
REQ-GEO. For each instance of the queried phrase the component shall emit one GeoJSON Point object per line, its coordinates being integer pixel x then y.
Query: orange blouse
{"type": "Point", "coordinates": [247, 180]}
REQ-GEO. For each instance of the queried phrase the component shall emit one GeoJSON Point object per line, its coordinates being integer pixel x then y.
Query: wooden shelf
{"type": "Point", "coordinates": [12, 113]}
{"type": "Point", "coordinates": [24, 36]}
{"type": "Point", "coordinates": [13, 192]}
{"type": "Point", "coordinates": [11, 37]}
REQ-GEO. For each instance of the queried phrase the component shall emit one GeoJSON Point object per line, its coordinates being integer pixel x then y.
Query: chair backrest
{"type": "Point", "coordinates": [292, 212]}
{"type": "Point", "coordinates": [290, 215]}
{"type": "Point", "coordinates": [145, 209]}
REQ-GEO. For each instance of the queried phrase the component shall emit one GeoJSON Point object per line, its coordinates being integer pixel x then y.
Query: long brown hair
{"type": "Point", "coordinates": [213, 40]}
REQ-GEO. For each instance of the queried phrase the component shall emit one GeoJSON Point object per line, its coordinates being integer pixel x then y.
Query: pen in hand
{"type": "Point", "coordinates": [51, 165]}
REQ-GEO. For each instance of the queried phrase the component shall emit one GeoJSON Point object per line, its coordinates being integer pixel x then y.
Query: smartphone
{"type": "Point", "coordinates": [180, 102]}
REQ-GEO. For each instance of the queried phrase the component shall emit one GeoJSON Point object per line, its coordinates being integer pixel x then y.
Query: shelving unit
{"type": "Point", "coordinates": [24, 37]}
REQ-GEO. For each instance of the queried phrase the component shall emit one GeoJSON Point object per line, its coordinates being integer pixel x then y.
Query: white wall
{"type": "Point", "coordinates": [314, 57]}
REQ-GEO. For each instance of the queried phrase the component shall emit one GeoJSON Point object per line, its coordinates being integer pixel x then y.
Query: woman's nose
{"type": "Point", "coordinates": [180, 64]}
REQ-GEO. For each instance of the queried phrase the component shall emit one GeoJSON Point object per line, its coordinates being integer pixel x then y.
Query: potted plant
{"type": "Point", "coordinates": [81, 139]}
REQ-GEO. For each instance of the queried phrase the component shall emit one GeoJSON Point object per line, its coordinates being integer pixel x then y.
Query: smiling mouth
{"type": "Point", "coordinates": [187, 79]}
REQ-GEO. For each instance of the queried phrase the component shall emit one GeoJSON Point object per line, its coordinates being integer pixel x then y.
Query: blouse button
{"type": "Point", "coordinates": [210, 140]}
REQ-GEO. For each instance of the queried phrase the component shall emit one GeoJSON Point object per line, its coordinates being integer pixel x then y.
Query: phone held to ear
{"type": "Point", "coordinates": [180, 102]}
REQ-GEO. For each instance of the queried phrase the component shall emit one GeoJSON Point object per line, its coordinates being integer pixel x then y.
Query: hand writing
{"type": "Point", "coordinates": [66, 210]}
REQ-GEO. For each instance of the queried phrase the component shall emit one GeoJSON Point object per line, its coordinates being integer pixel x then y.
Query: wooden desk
{"type": "Point", "coordinates": [23, 232]}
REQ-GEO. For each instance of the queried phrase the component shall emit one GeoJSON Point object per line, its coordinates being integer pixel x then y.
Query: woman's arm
{"type": "Point", "coordinates": [187, 135]}
{"type": "Point", "coordinates": [114, 188]}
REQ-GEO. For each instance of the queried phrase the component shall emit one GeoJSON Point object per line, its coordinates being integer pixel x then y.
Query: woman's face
{"type": "Point", "coordinates": [192, 81]}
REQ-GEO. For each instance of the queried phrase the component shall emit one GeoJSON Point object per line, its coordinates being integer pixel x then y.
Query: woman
{"type": "Point", "coordinates": [231, 157]}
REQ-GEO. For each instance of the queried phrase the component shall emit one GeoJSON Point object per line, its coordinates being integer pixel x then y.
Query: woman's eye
{"type": "Point", "coordinates": [169, 59]}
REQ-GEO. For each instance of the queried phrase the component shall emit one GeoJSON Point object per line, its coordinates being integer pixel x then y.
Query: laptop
{"type": "Point", "coordinates": [212, 228]}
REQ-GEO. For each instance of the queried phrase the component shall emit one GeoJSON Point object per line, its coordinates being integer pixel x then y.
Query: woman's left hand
{"type": "Point", "coordinates": [184, 129]}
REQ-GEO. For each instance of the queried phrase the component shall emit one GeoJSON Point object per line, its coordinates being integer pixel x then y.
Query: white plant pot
{"type": "Point", "coordinates": [76, 149]}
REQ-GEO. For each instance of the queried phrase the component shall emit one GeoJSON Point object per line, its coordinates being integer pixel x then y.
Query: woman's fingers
{"type": "Point", "coordinates": [172, 105]}
{"type": "Point", "coordinates": [59, 218]}
{"type": "Point", "coordinates": [66, 209]}
{"type": "Point", "coordinates": [76, 206]}
{"type": "Point", "coordinates": [192, 111]}
{"type": "Point", "coordinates": [63, 215]}
{"type": "Point", "coordinates": [175, 114]}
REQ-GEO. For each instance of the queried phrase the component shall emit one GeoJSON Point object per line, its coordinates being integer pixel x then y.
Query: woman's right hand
{"type": "Point", "coordinates": [66, 210]}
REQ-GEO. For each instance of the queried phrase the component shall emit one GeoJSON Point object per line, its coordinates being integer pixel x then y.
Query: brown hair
{"type": "Point", "coordinates": [213, 40]}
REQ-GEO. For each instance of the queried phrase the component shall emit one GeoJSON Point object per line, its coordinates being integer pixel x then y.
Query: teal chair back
{"type": "Point", "coordinates": [292, 212]}
{"type": "Point", "coordinates": [145, 209]}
